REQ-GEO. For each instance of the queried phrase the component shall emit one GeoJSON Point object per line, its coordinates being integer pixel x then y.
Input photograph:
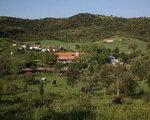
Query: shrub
{"type": "Point", "coordinates": [146, 98]}
{"type": "Point", "coordinates": [117, 100]}
{"type": "Point", "coordinates": [29, 78]}
{"type": "Point", "coordinates": [12, 88]}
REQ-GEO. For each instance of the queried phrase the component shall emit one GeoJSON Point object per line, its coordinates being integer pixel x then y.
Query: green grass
{"type": "Point", "coordinates": [122, 45]}
{"type": "Point", "coordinates": [61, 88]}
{"type": "Point", "coordinates": [45, 43]}
{"type": "Point", "coordinates": [132, 109]}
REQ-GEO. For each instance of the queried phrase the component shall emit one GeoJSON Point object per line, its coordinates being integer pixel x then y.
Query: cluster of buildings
{"type": "Point", "coordinates": [108, 40]}
{"type": "Point", "coordinates": [43, 49]}
{"type": "Point", "coordinates": [62, 55]}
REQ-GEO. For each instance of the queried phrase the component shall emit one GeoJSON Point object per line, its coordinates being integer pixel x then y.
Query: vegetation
{"type": "Point", "coordinates": [109, 81]}
{"type": "Point", "coordinates": [123, 45]}
{"type": "Point", "coordinates": [81, 27]}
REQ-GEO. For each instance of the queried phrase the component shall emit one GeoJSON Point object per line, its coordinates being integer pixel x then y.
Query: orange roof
{"type": "Point", "coordinates": [67, 55]}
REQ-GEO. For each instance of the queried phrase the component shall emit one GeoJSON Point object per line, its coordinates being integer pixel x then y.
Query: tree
{"type": "Point", "coordinates": [115, 50]}
{"type": "Point", "coordinates": [96, 54]}
{"type": "Point", "coordinates": [38, 43]}
{"type": "Point", "coordinates": [124, 57]}
{"type": "Point", "coordinates": [72, 74]}
{"type": "Point", "coordinates": [1, 89]}
{"type": "Point", "coordinates": [148, 45]}
{"type": "Point", "coordinates": [118, 79]}
{"type": "Point", "coordinates": [42, 88]}
{"type": "Point", "coordinates": [132, 46]}
{"type": "Point", "coordinates": [148, 79]}
{"type": "Point", "coordinates": [52, 58]}
{"type": "Point", "coordinates": [5, 65]}
{"type": "Point", "coordinates": [30, 58]}
{"type": "Point", "coordinates": [15, 66]}
{"type": "Point", "coordinates": [28, 78]}
{"type": "Point", "coordinates": [77, 46]}
{"type": "Point", "coordinates": [140, 67]}
{"type": "Point", "coordinates": [48, 58]}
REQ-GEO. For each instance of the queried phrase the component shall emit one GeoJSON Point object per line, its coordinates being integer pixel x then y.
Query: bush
{"type": "Point", "coordinates": [146, 98]}
{"type": "Point", "coordinates": [29, 78]}
{"type": "Point", "coordinates": [117, 100]}
{"type": "Point", "coordinates": [72, 74]}
{"type": "Point", "coordinates": [83, 110]}
{"type": "Point", "coordinates": [12, 88]}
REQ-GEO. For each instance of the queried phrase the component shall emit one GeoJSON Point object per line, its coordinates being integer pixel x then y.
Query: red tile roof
{"type": "Point", "coordinates": [67, 55]}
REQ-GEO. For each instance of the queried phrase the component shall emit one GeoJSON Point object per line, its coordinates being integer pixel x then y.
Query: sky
{"type": "Point", "coordinates": [35, 9]}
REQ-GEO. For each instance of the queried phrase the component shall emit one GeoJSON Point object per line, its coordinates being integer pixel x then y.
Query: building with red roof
{"type": "Point", "coordinates": [67, 57]}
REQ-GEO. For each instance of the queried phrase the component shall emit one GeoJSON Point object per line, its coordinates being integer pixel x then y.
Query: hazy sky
{"type": "Point", "coordinates": [66, 8]}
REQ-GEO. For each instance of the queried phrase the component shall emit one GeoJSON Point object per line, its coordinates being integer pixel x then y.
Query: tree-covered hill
{"type": "Point", "coordinates": [78, 28]}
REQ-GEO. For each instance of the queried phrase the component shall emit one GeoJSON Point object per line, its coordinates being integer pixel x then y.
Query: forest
{"type": "Point", "coordinates": [78, 28]}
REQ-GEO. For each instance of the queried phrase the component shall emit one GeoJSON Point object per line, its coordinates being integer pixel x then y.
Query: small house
{"type": "Point", "coordinates": [66, 57]}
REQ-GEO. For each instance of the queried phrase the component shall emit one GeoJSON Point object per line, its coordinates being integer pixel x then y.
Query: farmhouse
{"type": "Point", "coordinates": [36, 47]}
{"type": "Point", "coordinates": [67, 57]}
{"type": "Point", "coordinates": [27, 70]}
{"type": "Point", "coordinates": [108, 40]}
{"type": "Point", "coordinates": [114, 61]}
{"type": "Point", "coordinates": [14, 45]}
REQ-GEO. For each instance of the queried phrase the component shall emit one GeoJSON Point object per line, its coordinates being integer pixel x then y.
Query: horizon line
{"type": "Point", "coordinates": [44, 17]}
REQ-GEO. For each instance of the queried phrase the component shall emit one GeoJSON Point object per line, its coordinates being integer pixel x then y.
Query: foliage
{"type": "Point", "coordinates": [81, 27]}
{"type": "Point", "coordinates": [95, 54]}
{"type": "Point", "coordinates": [41, 88]}
{"type": "Point", "coordinates": [4, 65]}
{"type": "Point", "coordinates": [140, 67]}
{"type": "Point", "coordinates": [132, 47]}
{"type": "Point", "coordinates": [124, 57]}
{"type": "Point", "coordinates": [29, 78]}
{"type": "Point", "coordinates": [148, 45]}
{"type": "Point", "coordinates": [72, 74]}
{"type": "Point", "coordinates": [118, 79]}
{"type": "Point", "coordinates": [30, 58]}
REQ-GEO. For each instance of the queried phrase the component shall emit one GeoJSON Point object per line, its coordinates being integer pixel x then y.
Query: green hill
{"type": "Point", "coordinates": [121, 42]}
{"type": "Point", "coordinates": [79, 28]}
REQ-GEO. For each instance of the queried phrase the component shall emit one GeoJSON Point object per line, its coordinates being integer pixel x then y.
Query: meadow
{"type": "Point", "coordinates": [21, 100]}
{"type": "Point", "coordinates": [67, 98]}
{"type": "Point", "coordinates": [121, 42]}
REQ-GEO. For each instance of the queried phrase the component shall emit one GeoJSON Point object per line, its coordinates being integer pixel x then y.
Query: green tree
{"type": "Point", "coordinates": [140, 67]}
{"type": "Point", "coordinates": [132, 46]}
{"type": "Point", "coordinates": [115, 50]}
{"type": "Point", "coordinates": [48, 58]}
{"type": "Point", "coordinates": [38, 43]}
{"type": "Point", "coordinates": [118, 80]}
{"type": "Point", "coordinates": [28, 78]}
{"type": "Point", "coordinates": [72, 74]}
{"type": "Point", "coordinates": [148, 46]}
{"type": "Point", "coordinates": [148, 79]}
{"type": "Point", "coordinates": [124, 57]}
{"type": "Point", "coordinates": [1, 89]}
{"type": "Point", "coordinates": [42, 88]}
{"type": "Point", "coordinates": [30, 58]}
{"type": "Point", "coordinates": [5, 65]}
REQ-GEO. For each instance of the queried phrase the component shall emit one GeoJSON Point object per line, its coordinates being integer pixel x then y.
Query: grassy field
{"type": "Point", "coordinates": [68, 46]}
{"type": "Point", "coordinates": [67, 96]}
{"type": "Point", "coordinates": [121, 43]}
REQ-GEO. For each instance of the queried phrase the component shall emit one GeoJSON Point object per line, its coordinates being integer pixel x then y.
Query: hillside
{"type": "Point", "coordinates": [121, 43]}
{"type": "Point", "coordinates": [78, 28]}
